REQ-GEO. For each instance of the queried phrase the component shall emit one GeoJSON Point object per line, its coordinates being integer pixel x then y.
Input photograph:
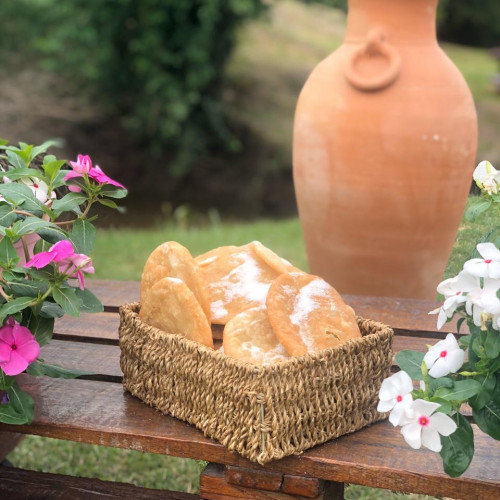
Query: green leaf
{"type": "Point", "coordinates": [6, 381]}
{"type": "Point", "coordinates": [477, 209]}
{"type": "Point", "coordinates": [42, 328]}
{"type": "Point", "coordinates": [488, 417]}
{"type": "Point", "coordinates": [68, 300]}
{"type": "Point", "coordinates": [43, 148]}
{"type": "Point", "coordinates": [445, 405]}
{"type": "Point", "coordinates": [436, 383]}
{"type": "Point", "coordinates": [458, 448]}
{"type": "Point", "coordinates": [113, 191]}
{"type": "Point", "coordinates": [38, 368]}
{"type": "Point", "coordinates": [52, 168]}
{"type": "Point", "coordinates": [83, 236]}
{"type": "Point", "coordinates": [69, 202]}
{"type": "Point", "coordinates": [492, 344]}
{"type": "Point", "coordinates": [28, 288]}
{"type": "Point", "coordinates": [461, 390]}
{"type": "Point", "coordinates": [108, 203]}
{"type": "Point", "coordinates": [410, 361]}
{"type": "Point", "coordinates": [90, 303]}
{"type": "Point", "coordinates": [8, 415]}
{"type": "Point", "coordinates": [21, 402]}
{"type": "Point", "coordinates": [30, 225]}
{"type": "Point", "coordinates": [8, 254]}
{"type": "Point", "coordinates": [14, 306]}
{"type": "Point", "coordinates": [7, 216]}
{"type": "Point", "coordinates": [14, 158]}
{"type": "Point", "coordinates": [20, 173]}
{"type": "Point", "coordinates": [52, 233]}
{"type": "Point", "coordinates": [21, 195]}
{"type": "Point", "coordinates": [51, 310]}
{"type": "Point", "coordinates": [488, 384]}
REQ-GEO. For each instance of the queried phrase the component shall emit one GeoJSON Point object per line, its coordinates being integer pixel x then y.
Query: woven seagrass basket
{"type": "Point", "coordinates": [263, 413]}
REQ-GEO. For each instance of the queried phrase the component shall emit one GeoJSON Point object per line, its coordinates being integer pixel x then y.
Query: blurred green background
{"type": "Point", "coordinates": [192, 103]}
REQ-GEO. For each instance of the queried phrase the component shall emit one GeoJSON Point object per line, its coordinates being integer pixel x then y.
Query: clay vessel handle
{"type": "Point", "coordinates": [375, 46]}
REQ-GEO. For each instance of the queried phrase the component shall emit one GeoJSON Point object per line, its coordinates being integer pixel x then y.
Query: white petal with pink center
{"type": "Point", "coordinates": [39, 188]}
{"type": "Point", "coordinates": [454, 290]}
{"type": "Point", "coordinates": [444, 357]}
{"type": "Point", "coordinates": [395, 395]}
{"type": "Point", "coordinates": [424, 426]}
{"type": "Point", "coordinates": [488, 266]}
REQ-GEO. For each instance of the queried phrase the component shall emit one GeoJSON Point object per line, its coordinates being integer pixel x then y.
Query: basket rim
{"type": "Point", "coordinates": [130, 310]}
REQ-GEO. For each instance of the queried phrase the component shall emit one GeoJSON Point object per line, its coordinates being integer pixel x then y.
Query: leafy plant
{"type": "Point", "coordinates": [46, 240]}
{"type": "Point", "coordinates": [430, 415]}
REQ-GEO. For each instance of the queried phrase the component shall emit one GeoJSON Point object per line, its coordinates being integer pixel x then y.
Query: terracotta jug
{"type": "Point", "coordinates": [384, 146]}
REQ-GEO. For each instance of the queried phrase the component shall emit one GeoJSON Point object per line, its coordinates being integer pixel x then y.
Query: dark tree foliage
{"type": "Point", "coordinates": [470, 22]}
{"type": "Point", "coordinates": [158, 63]}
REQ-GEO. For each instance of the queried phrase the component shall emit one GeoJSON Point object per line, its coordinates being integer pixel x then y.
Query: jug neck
{"type": "Point", "coordinates": [402, 21]}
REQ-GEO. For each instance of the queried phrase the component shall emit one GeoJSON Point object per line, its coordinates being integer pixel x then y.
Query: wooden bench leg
{"type": "Point", "coordinates": [219, 482]}
{"type": "Point", "coordinates": [8, 441]}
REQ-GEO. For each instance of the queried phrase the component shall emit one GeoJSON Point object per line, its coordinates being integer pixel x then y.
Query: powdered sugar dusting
{"type": "Point", "coordinates": [218, 310]}
{"type": "Point", "coordinates": [243, 281]}
{"type": "Point", "coordinates": [305, 303]}
{"type": "Point", "coordinates": [175, 280]}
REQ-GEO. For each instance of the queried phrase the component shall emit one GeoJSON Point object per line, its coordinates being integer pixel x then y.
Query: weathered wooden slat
{"type": "Point", "coordinates": [103, 361]}
{"type": "Point", "coordinates": [400, 313]}
{"type": "Point", "coordinates": [18, 484]}
{"type": "Point", "coordinates": [99, 327]}
{"type": "Point", "coordinates": [375, 456]}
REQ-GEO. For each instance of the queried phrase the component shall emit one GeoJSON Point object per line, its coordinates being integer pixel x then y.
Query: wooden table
{"type": "Point", "coordinates": [97, 410]}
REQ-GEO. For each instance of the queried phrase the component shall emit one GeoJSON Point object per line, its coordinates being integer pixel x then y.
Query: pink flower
{"type": "Point", "coordinates": [18, 348]}
{"type": "Point", "coordinates": [61, 250]}
{"type": "Point", "coordinates": [75, 265]}
{"type": "Point", "coordinates": [70, 263]}
{"type": "Point", "coordinates": [83, 165]}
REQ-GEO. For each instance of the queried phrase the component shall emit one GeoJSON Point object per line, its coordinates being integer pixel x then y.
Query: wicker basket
{"type": "Point", "coordinates": [263, 413]}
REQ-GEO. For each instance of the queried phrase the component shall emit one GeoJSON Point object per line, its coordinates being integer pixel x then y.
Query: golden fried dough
{"type": "Point", "coordinates": [172, 307]}
{"type": "Point", "coordinates": [271, 259]}
{"type": "Point", "coordinates": [249, 337]}
{"type": "Point", "coordinates": [307, 314]}
{"type": "Point", "coordinates": [174, 260]}
{"type": "Point", "coordinates": [237, 280]}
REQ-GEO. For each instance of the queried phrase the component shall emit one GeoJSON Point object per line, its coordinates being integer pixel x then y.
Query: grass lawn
{"type": "Point", "coordinates": [120, 254]}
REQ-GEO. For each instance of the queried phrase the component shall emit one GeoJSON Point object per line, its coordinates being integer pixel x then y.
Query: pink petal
{"type": "Point", "coordinates": [27, 346]}
{"type": "Point", "coordinates": [5, 350]}
{"type": "Point", "coordinates": [81, 280]}
{"type": "Point", "coordinates": [98, 175]}
{"type": "Point", "coordinates": [62, 250]}
{"type": "Point", "coordinates": [15, 365]}
{"type": "Point", "coordinates": [40, 260]}
{"type": "Point", "coordinates": [74, 189]}
{"type": "Point", "coordinates": [72, 175]}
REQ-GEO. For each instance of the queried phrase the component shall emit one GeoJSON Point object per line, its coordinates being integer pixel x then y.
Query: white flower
{"type": "Point", "coordinates": [38, 187]}
{"type": "Point", "coordinates": [424, 426]}
{"type": "Point", "coordinates": [488, 266]}
{"type": "Point", "coordinates": [483, 300]}
{"type": "Point", "coordinates": [444, 357]}
{"type": "Point", "coordinates": [454, 290]}
{"type": "Point", "coordinates": [395, 395]}
{"type": "Point", "coordinates": [487, 177]}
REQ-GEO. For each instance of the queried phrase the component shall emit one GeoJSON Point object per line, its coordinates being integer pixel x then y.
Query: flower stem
{"type": "Point", "coordinates": [25, 248]}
